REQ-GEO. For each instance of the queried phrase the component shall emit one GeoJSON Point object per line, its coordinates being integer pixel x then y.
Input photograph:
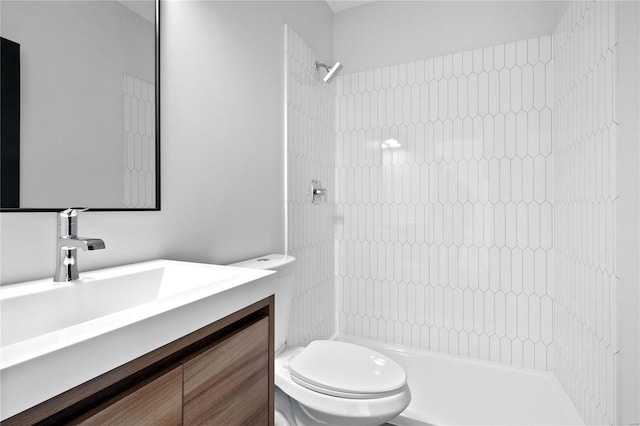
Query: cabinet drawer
{"type": "Point", "coordinates": [158, 403]}
{"type": "Point", "coordinates": [229, 383]}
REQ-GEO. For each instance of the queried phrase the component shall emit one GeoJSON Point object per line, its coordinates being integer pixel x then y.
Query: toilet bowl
{"type": "Point", "coordinates": [328, 382]}
{"type": "Point", "coordinates": [340, 383]}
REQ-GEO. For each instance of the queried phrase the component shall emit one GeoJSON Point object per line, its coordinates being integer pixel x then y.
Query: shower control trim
{"type": "Point", "coordinates": [318, 193]}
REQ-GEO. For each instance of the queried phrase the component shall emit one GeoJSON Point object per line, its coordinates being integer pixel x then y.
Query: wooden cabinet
{"type": "Point", "coordinates": [157, 403]}
{"type": "Point", "coordinates": [221, 374]}
{"type": "Point", "coordinates": [226, 384]}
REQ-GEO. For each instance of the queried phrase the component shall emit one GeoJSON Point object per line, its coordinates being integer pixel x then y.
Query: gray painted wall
{"type": "Point", "coordinates": [394, 32]}
{"type": "Point", "coordinates": [627, 212]}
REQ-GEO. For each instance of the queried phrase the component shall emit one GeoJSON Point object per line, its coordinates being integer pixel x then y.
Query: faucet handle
{"type": "Point", "coordinates": [73, 211]}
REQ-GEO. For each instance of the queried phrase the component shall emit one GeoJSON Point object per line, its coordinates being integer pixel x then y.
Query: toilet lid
{"type": "Point", "coordinates": [347, 370]}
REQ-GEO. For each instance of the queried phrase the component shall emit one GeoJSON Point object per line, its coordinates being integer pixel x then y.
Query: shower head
{"type": "Point", "coordinates": [331, 72]}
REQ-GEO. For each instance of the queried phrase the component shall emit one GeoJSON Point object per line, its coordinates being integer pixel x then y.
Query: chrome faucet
{"type": "Point", "coordinates": [68, 244]}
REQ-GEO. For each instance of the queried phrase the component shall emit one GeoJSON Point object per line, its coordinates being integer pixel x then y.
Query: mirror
{"type": "Point", "coordinates": [80, 105]}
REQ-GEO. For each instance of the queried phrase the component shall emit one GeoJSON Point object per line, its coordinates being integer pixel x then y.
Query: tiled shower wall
{"type": "Point", "coordinates": [310, 156]}
{"type": "Point", "coordinates": [444, 203]}
{"type": "Point", "coordinates": [139, 168]}
{"type": "Point", "coordinates": [585, 46]}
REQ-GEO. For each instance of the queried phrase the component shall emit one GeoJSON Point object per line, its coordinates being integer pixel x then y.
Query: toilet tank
{"type": "Point", "coordinates": [284, 266]}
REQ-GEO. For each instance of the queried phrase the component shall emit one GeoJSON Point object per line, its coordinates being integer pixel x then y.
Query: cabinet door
{"type": "Point", "coordinates": [157, 403]}
{"type": "Point", "coordinates": [229, 383]}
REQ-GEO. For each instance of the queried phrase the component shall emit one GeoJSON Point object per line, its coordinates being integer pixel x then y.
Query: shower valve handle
{"type": "Point", "coordinates": [318, 193]}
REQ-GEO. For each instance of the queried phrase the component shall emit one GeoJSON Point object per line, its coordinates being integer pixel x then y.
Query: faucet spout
{"type": "Point", "coordinates": [68, 244]}
{"type": "Point", "coordinates": [86, 244]}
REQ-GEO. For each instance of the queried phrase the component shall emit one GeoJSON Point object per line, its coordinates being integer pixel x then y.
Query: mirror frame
{"type": "Point", "coordinates": [157, 144]}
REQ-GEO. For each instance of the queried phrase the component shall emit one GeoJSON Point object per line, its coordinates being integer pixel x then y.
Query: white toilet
{"type": "Point", "coordinates": [328, 382]}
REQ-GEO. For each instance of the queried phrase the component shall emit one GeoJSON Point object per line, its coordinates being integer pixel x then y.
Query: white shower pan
{"type": "Point", "coordinates": [450, 390]}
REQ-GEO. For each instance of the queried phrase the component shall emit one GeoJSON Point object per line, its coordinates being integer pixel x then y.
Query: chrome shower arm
{"type": "Point", "coordinates": [319, 65]}
{"type": "Point", "coordinates": [331, 71]}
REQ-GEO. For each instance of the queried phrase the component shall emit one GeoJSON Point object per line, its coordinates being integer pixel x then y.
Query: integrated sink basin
{"type": "Point", "coordinates": [55, 336]}
{"type": "Point", "coordinates": [41, 307]}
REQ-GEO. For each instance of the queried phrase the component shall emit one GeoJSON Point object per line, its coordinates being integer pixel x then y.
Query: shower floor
{"type": "Point", "coordinates": [449, 390]}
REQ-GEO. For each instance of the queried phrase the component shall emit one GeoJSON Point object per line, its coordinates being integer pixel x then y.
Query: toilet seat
{"type": "Point", "coordinates": [334, 409]}
{"type": "Point", "coordinates": [346, 370]}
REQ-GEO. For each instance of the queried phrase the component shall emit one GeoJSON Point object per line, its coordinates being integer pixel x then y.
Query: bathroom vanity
{"type": "Point", "coordinates": [206, 354]}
